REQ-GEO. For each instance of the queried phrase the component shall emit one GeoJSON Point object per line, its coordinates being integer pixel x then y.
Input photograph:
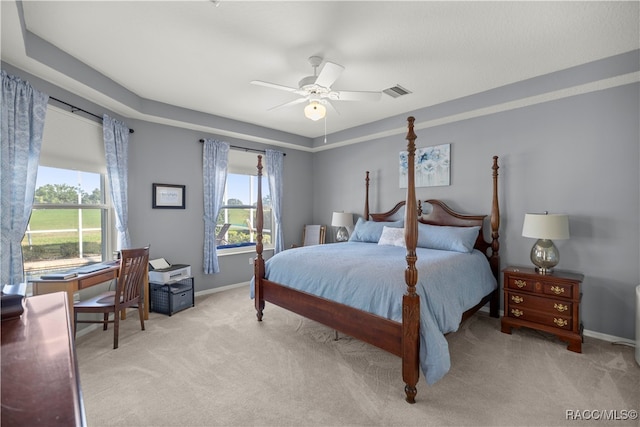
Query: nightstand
{"type": "Point", "coordinates": [546, 302]}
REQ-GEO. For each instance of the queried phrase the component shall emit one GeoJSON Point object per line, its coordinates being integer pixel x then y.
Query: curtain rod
{"type": "Point", "coordinates": [255, 150]}
{"type": "Point", "coordinates": [74, 109]}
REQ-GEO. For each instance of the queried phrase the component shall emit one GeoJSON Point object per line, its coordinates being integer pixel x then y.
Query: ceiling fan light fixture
{"type": "Point", "coordinates": [315, 111]}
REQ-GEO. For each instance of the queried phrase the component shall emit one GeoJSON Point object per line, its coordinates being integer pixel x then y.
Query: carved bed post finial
{"type": "Point", "coordinates": [410, 213]}
{"type": "Point", "coordinates": [410, 300]}
{"type": "Point", "coordinates": [258, 263]}
{"type": "Point", "coordinates": [366, 197]}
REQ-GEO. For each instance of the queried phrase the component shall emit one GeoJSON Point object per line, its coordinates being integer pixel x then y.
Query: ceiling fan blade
{"type": "Point", "coordinates": [332, 107]}
{"type": "Point", "coordinates": [274, 86]}
{"type": "Point", "coordinates": [288, 104]}
{"type": "Point", "coordinates": [345, 95]}
{"type": "Point", "coordinates": [329, 74]}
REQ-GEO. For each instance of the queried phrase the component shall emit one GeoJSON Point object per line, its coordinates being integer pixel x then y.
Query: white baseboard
{"type": "Point", "coordinates": [96, 326]}
{"type": "Point", "coordinates": [605, 337]}
{"type": "Point", "coordinates": [587, 333]}
{"type": "Point", "coordinates": [598, 335]}
{"type": "Point", "coordinates": [222, 288]}
{"type": "Point", "coordinates": [610, 338]}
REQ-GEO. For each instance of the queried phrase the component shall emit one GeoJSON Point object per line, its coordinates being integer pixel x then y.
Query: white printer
{"type": "Point", "coordinates": [160, 271]}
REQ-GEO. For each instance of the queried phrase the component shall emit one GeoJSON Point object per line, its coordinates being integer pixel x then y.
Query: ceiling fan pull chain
{"type": "Point", "coordinates": [325, 129]}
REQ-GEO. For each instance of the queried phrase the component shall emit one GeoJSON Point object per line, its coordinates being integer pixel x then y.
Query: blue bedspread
{"type": "Point", "coordinates": [370, 277]}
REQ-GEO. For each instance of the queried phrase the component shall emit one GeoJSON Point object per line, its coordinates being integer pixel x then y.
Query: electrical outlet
{"type": "Point", "coordinates": [250, 261]}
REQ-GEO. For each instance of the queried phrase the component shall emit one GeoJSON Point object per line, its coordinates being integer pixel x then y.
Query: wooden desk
{"type": "Point", "coordinates": [40, 381]}
{"type": "Point", "coordinates": [83, 281]}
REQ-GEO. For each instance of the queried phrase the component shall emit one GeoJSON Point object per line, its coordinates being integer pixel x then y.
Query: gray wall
{"type": "Point", "coordinates": [170, 155]}
{"type": "Point", "coordinates": [578, 155]}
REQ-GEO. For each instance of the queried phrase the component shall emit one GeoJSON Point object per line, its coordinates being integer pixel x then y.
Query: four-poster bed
{"type": "Point", "coordinates": [367, 305]}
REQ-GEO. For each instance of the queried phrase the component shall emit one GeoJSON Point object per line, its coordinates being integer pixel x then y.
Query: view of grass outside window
{"type": "Point", "coordinates": [238, 214]}
{"type": "Point", "coordinates": [67, 225]}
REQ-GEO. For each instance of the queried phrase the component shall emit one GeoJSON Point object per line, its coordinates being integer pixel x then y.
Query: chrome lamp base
{"type": "Point", "coordinates": [342, 235]}
{"type": "Point", "coordinates": [545, 256]}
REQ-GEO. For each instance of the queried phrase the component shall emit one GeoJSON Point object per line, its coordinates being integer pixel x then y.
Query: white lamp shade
{"type": "Point", "coordinates": [341, 219]}
{"type": "Point", "coordinates": [314, 111]}
{"type": "Point", "coordinates": [546, 226]}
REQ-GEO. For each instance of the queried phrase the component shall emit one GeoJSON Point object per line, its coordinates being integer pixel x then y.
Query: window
{"type": "Point", "coordinates": [236, 224]}
{"type": "Point", "coordinates": [67, 227]}
{"type": "Point", "coordinates": [72, 220]}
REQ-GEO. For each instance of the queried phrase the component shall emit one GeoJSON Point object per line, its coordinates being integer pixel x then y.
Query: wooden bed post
{"type": "Point", "coordinates": [494, 260]}
{"type": "Point", "coordinates": [366, 198]}
{"type": "Point", "coordinates": [258, 263]}
{"type": "Point", "coordinates": [411, 300]}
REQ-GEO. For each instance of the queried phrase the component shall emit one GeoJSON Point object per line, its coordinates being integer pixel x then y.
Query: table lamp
{"type": "Point", "coordinates": [545, 227]}
{"type": "Point", "coordinates": [342, 221]}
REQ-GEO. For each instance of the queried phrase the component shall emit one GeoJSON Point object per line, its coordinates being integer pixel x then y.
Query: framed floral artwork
{"type": "Point", "coordinates": [432, 166]}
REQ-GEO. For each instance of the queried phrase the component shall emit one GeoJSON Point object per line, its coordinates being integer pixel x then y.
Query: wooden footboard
{"type": "Point", "coordinates": [367, 327]}
{"type": "Point", "coordinates": [401, 339]}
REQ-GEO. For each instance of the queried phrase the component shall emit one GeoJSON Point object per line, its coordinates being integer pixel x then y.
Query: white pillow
{"type": "Point", "coordinates": [392, 236]}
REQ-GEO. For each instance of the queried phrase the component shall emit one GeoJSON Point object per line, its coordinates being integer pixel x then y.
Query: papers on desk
{"type": "Point", "coordinates": [92, 268]}
{"type": "Point", "coordinates": [59, 276]}
{"type": "Point", "coordinates": [159, 263]}
{"type": "Point", "coordinates": [161, 271]}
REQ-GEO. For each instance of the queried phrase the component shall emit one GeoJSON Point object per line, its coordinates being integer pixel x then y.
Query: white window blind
{"type": "Point", "coordinates": [70, 141]}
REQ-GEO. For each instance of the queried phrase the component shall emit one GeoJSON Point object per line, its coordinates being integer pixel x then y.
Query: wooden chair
{"type": "Point", "coordinates": [312, 235]}
{"type": "Point", "coordinates": [128, 293]}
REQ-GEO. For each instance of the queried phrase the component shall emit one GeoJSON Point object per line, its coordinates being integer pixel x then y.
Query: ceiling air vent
{"type": "Point", "coordinates": [396, 91]}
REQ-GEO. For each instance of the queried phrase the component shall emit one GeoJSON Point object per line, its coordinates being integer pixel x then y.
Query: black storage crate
{"type": "Point", "coordinates": [172, 297]}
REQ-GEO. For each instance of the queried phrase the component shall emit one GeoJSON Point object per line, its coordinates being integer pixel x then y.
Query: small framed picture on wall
{"type": "Point", "coordinates": [168, 196]}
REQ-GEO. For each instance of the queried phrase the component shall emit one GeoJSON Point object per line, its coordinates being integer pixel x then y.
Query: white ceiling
{"type": "Point", "coordinates": [202, 55]}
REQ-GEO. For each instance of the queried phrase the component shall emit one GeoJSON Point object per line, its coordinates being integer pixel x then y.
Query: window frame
{"type": "Point", "coordinates": [107, 218]}
{"type": "Point", "coordinates": [75, 143]}
{"type": "Point", "coordinates": [244, 163]}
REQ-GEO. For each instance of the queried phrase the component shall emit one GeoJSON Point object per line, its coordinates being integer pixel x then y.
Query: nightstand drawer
{"type": "Point", "coordinates": [543, 318]}
{"type": "Point", "coordinates": [521, 283]}
{"type": "Point", "coordinates": [562, 290]}
{"type": "Point", "coordinates": [547, 305]}
{"type": "Point", "coordinates": [541, 286]}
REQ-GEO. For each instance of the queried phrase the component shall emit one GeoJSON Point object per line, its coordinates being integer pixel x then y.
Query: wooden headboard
{"type": "Point", "coordinates": [441, 214]}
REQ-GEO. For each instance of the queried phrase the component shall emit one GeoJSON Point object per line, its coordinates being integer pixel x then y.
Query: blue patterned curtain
{"type": "Point", "coordinates": [215, 157]}
{"type": "Point", "coordinates": [275, 163]}
{"type": "Point", "coordinates": [116, 149]}
{"type": "Point", "coordinates": [23, 113]}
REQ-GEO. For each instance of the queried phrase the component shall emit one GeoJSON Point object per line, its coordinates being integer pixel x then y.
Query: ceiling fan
{"type": "Point", "coordinates": [316, 90]}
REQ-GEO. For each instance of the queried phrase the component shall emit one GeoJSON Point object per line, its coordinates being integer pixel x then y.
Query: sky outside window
{"type": "Point", "coordinates": [86, 180]}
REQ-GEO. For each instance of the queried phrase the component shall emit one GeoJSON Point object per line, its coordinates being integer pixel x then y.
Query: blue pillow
{"type": "Point", "coordinates": [446, 238]}
{"type": "Point", "coordinates": [370, 231]}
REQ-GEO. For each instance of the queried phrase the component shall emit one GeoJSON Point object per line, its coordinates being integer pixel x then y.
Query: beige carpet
{"type": "Point", "coordinates": [214, 364]}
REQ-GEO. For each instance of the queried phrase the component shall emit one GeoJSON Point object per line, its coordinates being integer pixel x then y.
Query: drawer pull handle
{"type": "Point", "coordinates": [517, 299]}
{"type": "Point", "coordinates": [517, 312]}
{"type": "Point", "coordinates": [520, 283]}
{"type": "Point", "coordinates": [560, 307]}
{"type": "Point", "coordinates": [560, 322]}
{"type": "Point", "coordinates": [557, 290]}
